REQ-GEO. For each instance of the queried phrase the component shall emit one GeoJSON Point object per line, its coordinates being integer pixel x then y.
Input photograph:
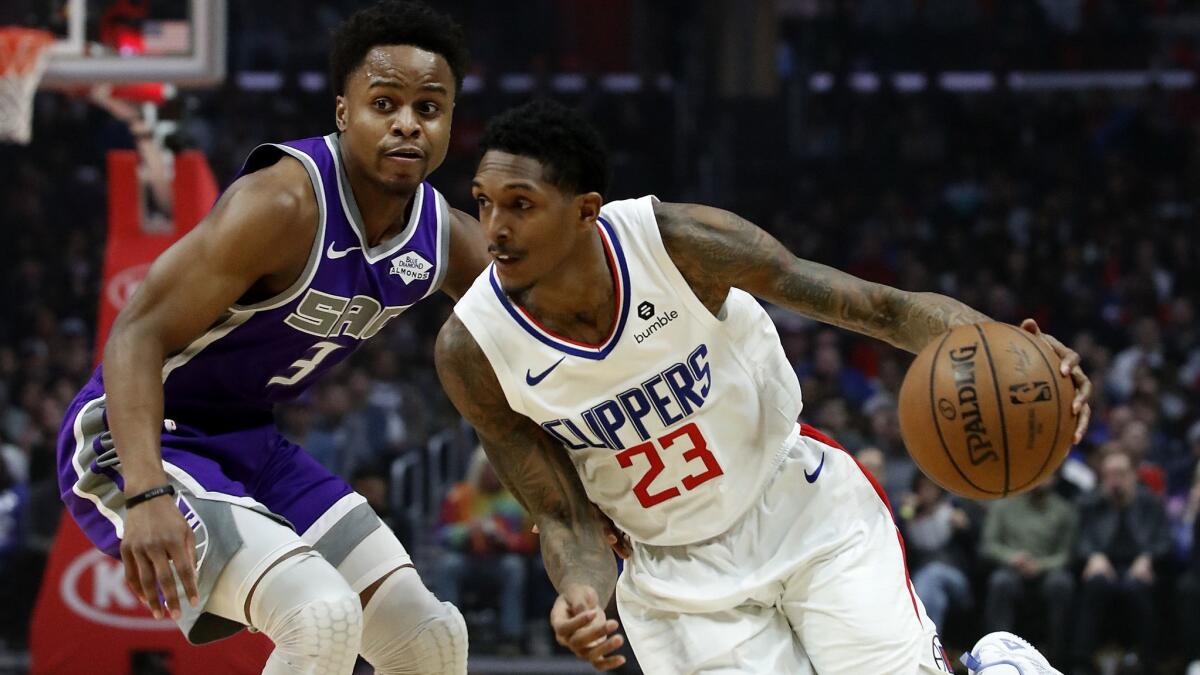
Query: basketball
{"type": "Point", "coordinates": [985, 411]}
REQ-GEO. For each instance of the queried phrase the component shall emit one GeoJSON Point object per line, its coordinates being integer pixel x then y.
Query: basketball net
{"type": "Point", "coordinates": [23, 54]}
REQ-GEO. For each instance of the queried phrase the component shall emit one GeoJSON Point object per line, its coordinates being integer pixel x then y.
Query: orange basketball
{"type": "Point", "coordinates": [985, 411]}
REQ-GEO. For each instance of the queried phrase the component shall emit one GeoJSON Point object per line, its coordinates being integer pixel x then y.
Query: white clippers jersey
{"type": "Point", "coordinates": [675, 422]}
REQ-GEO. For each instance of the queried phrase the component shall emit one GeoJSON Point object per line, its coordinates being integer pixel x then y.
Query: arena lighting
{"type": "Point", "coordinates": [966, 81]}
{"type": "Point", "coordinates": [517, 83]}
{"type": "Point", "coordinates": [980, 81]}
{"type": "Point", "coordinates": [864, 82]}
{"type": "Point", "coordinates": [312, 81]}
{"type": "Point", "coordinates": [909, 81]}
{"type": "Point", "coordinates": [621, 83]}
{"type": "Point", "coordinates": [259, 80]}
{"type": "Point", "coordinates": [567, 83]}
{"type": "Point", "coordinates": [471, 83]}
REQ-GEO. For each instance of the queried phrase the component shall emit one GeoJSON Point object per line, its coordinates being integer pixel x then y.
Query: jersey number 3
{"type": "Point", "coordinates": [302, 367]}
{"type": "Point", "coordinates": [699, 450]}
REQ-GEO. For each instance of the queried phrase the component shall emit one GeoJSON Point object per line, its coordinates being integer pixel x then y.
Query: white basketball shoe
{"type": "Point", "coordinates": [1002, 653]}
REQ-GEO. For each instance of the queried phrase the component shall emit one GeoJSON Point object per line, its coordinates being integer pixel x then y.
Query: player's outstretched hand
{"type": "Point", "coordinates": [157, 538]}
{"type": "Point", "coordinates": [580, 625]}
{"type": "Point", "coordinates": [1069, 366]}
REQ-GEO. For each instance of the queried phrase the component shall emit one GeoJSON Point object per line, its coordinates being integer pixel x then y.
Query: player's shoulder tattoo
{"type": "Point", "coordinates": [459, 359]}
{"type": "Point", "coordinates": [706, 257]}
{"type": "Point", "coordinates": [470, 381]}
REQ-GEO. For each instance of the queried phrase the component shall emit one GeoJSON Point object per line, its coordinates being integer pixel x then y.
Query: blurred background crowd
{"type": "Point", "coordinates": [1068, 205]}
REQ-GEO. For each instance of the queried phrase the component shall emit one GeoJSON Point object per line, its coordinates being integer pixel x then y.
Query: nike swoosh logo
{"type": "Point", "coordinates": [533, 380]}
{"type": "Point", "coordinates": [812, 477]}
{"type": "Point", "coordinates": [334, 254]}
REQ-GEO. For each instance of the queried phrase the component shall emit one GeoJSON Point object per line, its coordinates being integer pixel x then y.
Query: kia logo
{"type": "Point", "coordinates": [94, 587]}
{"type": "Point", "coordinates": [121, 287]}
{"type": "Point", "coordinates": [645, 310]}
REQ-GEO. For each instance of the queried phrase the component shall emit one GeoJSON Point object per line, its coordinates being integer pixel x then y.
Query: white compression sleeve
{"type": "Point", "coordinates": [407, 631]}
{"type": "Point", "coordinates": [311, 614]}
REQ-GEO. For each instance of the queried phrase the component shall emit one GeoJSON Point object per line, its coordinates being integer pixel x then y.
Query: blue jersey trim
{"type": "Point", "coordinates": [594, 353]}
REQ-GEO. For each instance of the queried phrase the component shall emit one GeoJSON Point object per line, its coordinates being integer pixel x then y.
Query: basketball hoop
{"type": "Point", "coordinates": [22, 62]}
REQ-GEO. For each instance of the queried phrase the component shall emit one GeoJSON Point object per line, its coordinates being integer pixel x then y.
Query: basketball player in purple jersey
{"type": "Point", "coordinates": [169, 457]}
{"type": "Point", "coordinates": [614, 353]}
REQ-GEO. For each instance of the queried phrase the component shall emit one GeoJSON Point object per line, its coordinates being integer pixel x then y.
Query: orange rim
{"type": "Point", "coordinates": [21, 47]}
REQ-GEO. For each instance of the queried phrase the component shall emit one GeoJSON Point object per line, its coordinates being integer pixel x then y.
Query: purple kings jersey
{"type": "Point", "coordinates": [220, 447]}
{"type": "Point", "coordinates": [260, 354]}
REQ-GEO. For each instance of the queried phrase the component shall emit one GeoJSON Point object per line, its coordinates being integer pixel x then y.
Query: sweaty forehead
{"type": "Point", "coordinates": [405, 65]}
{"type": "Point", "coordinates": [501, 168]}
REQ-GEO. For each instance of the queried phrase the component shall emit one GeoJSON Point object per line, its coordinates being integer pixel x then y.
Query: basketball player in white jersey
{"type": "Point", "coordinates": [616, 355]}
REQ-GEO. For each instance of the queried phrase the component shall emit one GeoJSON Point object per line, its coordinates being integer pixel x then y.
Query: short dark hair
{"type": "Point", "coordinates": [568, 146]}
{"type": "Point", "coordinates": [396, 22]}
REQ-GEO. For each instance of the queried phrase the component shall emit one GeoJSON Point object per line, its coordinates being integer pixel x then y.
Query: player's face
{"type": "Point", "coordinates": [532, 226]}
{"type": "Point", "coordinates": [395, 116]}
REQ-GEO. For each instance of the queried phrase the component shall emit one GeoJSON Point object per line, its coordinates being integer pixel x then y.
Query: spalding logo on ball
{"type": "Point", "coordinates": [985, 411]}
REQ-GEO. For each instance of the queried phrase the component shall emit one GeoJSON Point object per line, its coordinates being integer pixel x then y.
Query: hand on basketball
{"type": "Point", "coordinates": [157, 538]}
{"type": "Point", "coordinates": [580, 625]}
{"type": "Point", "coordinates": [1069, 366]}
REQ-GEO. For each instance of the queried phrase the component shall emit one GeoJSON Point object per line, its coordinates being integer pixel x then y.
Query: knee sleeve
{"type": "Point", "coordinates": [311, 614]}
{"type": "Point", "coordinates": [407, 631]}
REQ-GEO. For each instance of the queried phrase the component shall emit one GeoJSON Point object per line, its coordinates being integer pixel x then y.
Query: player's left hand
{"type": "Point", "coordinates": [580, 625]}
{"type": "Point", "coordinates": [1069, 366]}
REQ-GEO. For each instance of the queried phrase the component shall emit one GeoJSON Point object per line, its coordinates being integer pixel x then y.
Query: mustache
{"type": "Point", "coordinates": [495, 249]}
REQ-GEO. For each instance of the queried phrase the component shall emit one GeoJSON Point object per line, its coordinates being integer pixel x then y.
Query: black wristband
{"type": "Point", "coordinates": [159, 491]}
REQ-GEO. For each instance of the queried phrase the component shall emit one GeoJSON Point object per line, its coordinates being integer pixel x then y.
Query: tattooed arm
{"type": "Point", "coordinates": [531, 464]}
{"type": "Point", "coordinates": [535, 468]}
{"type": "Point", "coordinates": [716, 249]}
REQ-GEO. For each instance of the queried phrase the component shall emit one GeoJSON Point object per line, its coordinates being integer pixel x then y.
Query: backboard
{"type": "Point", "coordinates": [181, 42]}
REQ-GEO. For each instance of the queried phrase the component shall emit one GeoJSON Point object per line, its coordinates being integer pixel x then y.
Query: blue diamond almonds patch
{"type": "Point", "coordinates": [411, 267]}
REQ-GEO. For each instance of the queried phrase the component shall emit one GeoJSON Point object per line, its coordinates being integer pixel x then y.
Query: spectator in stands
{"type": "Point", "coordinates": [1147, 350]}
{"type": "Point", "coordinates": [1029, 539]}
{"type": "Point", "coordinates": [1135, 441]}
{"type": "Point", "coordinates": [371, 481]}
{"type": "Point", "coordinates": [1123, 534]}
{"type": "Point", "coordinates": [884, 427]}
{"type": "Point", "coordinates": [486, 544]}
{"type": "Point", "coordinates": [833, 418]}
{"type": "Point", "coordinates": [871, 458]}
{"type": "Point", "coordinates": [339, 434]}
{"type": "Point", "coordinates": [937, 536]}
{"type": "Point", "coordinates": [875, 462]}
{"type": "Point", "coordinates": [14, 498]}
{"type": "Point", "coordinates": [829, 376]}
{"type": "Point", "coordinates": [1182, 467]}
{"type": "Point", "coordinates": [1188, 588]}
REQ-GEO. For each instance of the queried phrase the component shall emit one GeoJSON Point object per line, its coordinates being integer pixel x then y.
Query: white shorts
{"type": "Point", "coordinates": [811, 579]}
